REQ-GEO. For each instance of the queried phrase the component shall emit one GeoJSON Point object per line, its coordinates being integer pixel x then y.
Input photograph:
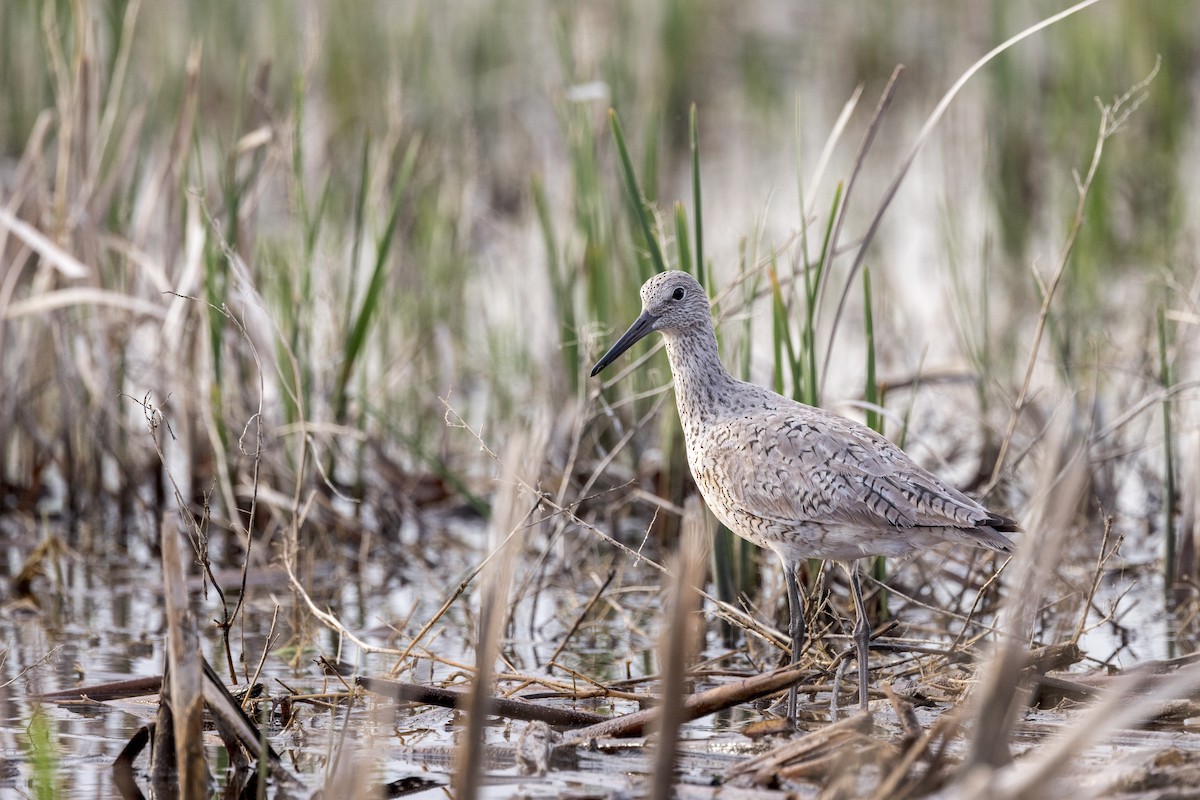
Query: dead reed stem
{"type": "Point", "coordinates": [678, 642]}
{"type": "Point", "coordinates": [527, 454]}
{"type": "Point", "coordinates": [998, 697]}
{"type": "Point", "coordinates": [184, 673]}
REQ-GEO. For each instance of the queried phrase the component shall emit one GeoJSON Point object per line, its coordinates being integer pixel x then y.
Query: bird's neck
{"type": "Point", "coordinates": [701, 380]}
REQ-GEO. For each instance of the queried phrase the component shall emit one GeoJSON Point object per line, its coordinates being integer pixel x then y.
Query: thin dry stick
{"type": "Point", "coordinates": [332, 622]}
{"type": "Point", "coordinates": [1149, 401]}
{"type": "Point", "coordinates": [463, 586]}
{"type": "Point", "coordinates": [155, 420]}
{"type": "Point", "coordinates": [1111, 119]}
{"type": "Point", "coordinates": [41, 662]}
{"type": "Point", "coordinates": [1097, 575]}
{"type": "Point", "coordinates": [624, 440]}
{"type": "Point", "coordinates": [300, 507]}
{"type": "Point", "coordinates": [256, 470]}
{"type": "Point", "coordinates": [235, 522]}
{"type": "Point", "coordinates": [329, 620]}
{"type": "Point", "coordinates": [268, 643]}
{"type": "Point", "coordinates": [612, 573]}
{"type": "Point", "coordinates": [993, 578]}
{"type": "Point", "coordinates": [605, 691]}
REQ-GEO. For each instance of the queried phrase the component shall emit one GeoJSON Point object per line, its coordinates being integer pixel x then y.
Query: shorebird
{"type": "Point", "coordinates": [797, 480]}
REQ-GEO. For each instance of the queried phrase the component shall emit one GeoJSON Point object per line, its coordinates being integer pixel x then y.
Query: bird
{"type": "Point", "coordinates": [797, 480]}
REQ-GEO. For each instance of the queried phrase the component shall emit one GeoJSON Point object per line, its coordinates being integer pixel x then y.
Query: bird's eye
{"type": "Point", "coordinates": [678, 293]}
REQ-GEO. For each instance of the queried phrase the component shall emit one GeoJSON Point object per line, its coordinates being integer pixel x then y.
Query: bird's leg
{"type": "Point", "coordinates": [862, 632]}
{"type": "Point", "coordinates": [795, 627]}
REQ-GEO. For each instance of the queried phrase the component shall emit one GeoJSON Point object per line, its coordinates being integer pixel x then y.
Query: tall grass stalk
{"type": "Point", "coordinates": [874, 419]}
{"type": "Point", "coordinates": [637, 200]}
{"type": "Point", "coordinates": [697, 216]}
{"type": "Point", "coordinates": [782, 339]}
{"type": "Point", "coordinates": [296, 298]}
{"type": "Point", "coordinates": [684, 254]}
{"type": "Point", "coordinates": [814, 278]}
{"type": "Point", "coordinates": [360, 322]}
{"type": "Point", "coordinates": [562, 288]}
{"type": "Point", "coordinates": [1170, 501]}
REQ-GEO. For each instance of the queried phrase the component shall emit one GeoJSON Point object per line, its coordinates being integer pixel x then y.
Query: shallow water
{"type": "Point", "coordinates": [102, 622]}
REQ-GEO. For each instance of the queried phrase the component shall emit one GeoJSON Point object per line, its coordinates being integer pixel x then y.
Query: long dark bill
{"type": "Point", "coordinates": [640, 327]}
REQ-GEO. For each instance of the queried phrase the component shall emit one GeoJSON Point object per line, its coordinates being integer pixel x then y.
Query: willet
{"type": "Point", "coordinates": [797, 480]}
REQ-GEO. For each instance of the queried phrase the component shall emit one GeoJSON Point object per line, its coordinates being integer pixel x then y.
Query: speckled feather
{"type": "Point", "coordinates": [798, 480]}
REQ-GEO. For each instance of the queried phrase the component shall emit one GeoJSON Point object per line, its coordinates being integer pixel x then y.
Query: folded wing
{"type": "Point", "coordinates": [813, 467]}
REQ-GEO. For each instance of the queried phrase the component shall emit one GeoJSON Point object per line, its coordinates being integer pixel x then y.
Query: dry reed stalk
{"type": "Point", "coordinates": [525, 458]}
{"type": "Point", "coordinates": [679, 641]}
{"type": "Point", "coordinates": [1000, 693]}
{"type": "Point", "coordinates": [987, 772]}
{"type": "Point", "coordinates": [350, 769]}
{"type": "Point", "coordinates": [185, 681]}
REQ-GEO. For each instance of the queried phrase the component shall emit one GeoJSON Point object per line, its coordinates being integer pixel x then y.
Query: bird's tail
{"type": "Point", "coordinates": [991, 533]}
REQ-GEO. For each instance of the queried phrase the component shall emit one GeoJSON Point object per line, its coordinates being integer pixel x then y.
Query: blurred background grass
{"type": "Point", "coordinates": [380, 205]}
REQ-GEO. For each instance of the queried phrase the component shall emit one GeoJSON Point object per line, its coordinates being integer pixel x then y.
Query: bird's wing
{"type": "Point", "coordinates": [818, 467]}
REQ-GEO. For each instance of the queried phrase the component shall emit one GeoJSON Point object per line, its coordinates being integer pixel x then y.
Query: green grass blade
{"type": "Point", "coordinates": [1169, 499]}
{"type": "Point", "coordinates": [813, 277]}
{"type": "Point", "coordinates": [681, 240]}
{"type": "Point", "coordinates": [782, 335]}
{"type": "Point", "coordinates": [359, 223]}
{"type": "Point", "coordinates": [560, 287]}
{"type": "Point", "coordinates": [697, 215]}
{"type": "Point", "coordinates": [874, 421]}
{"type": "Point", "coordinates": [871, 392]}
{"type": "Point", "coordinates": [636, 199]}
{"type": "Point", "coordinates": [42, 750]}
{"type": "Point", "coordinates": [356, 341]}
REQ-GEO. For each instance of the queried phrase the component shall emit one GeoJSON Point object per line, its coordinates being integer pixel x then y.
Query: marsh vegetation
{"type": "Point", "coordinates": [317, 287]}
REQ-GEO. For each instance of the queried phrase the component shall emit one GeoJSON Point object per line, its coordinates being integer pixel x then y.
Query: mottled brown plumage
{"type": "Point", "coordinates": [795, 479]}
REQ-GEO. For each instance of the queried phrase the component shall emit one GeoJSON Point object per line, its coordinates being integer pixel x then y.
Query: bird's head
{"type": "Point", "coordinates": [671, 302]}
